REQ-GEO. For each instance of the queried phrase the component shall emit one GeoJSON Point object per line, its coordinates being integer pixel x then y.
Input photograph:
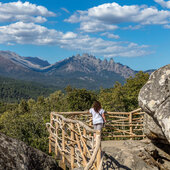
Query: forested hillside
{"type": "Point", "coordinates": [26, 120]}
{"type": "Point", "coordinates": [12, 90]}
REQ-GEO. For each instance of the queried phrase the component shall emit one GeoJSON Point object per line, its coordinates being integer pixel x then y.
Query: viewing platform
{"type": "Point", "coordinates": [73, 139]}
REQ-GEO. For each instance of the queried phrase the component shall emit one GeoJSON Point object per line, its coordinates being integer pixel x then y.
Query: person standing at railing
{"type": "Point", "coordinates": [98, 116]}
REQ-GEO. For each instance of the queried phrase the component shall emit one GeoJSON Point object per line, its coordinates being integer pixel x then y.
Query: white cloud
{"type": "Point", "coordinates": [26, 12]}
{"type": "Point", "coordinates": [96, 26]}
{"type": "Point", "coordinates": [163, 3]}
{"type": "Point", "coordinates": [78, 16]}
{"type": "Point", "coordinates": [69, 35]}
{"type": "Point", "coordinates": [109, 35]}
{"type": "Point", "coordinates": [73, 18]}
{"type": "Point", "coordinates": [109, 14]}
{"type": "Point", "coordinates": [30, 33]}
{"type": "Point", "coordinates": [114, 13]}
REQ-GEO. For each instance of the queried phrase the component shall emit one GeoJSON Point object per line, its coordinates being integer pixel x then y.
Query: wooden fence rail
{"type": "Point", "coordinates": [72, 135]}
{"type": "Point", "coordinates": [75, 142]}
{"type": "Point", "coordinates": [120, 125]}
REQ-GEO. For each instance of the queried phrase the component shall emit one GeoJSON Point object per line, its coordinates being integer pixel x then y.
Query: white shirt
{"type": "Point", "coordinates": [96, 117]}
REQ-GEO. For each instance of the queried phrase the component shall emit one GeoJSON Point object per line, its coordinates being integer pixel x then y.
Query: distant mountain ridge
{"type": "Point", "coordinates": [90, 64]}
{"type": "Point", "coordinates": [84, 71]}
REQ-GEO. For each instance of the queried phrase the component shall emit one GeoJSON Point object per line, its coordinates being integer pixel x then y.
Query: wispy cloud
{"type": "Point", "coordinates": [26, 12]}
{"type": "Point", "coordinates": [30, 33]}
{"type": "Point", "coordinates": [167, 26]}
{"type": "Point", "coordinates": [66, 10]}
{"type": "Point", "coordinates": [163, 3]}
{"type": "Point", "coordinates": [130, 27]}
{"type": "Point", "coordinates": [109, 35]}
{"type": "Point", "coordinates": [110, 14]}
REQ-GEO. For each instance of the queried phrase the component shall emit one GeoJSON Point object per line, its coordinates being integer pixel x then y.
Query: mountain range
{"type": "Point", "coordinates": [84, 71]}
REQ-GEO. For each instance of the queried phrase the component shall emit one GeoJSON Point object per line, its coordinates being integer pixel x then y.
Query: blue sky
{"type": "Point", "coordinates": [135, 33]}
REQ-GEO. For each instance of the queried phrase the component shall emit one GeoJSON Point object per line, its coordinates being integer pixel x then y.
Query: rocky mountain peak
{"type": "Point", "coordinates": [111, 61]}
{"type": "Point", "coordinates": [92, 60]}
{"type": "Point", "coordinates": [86, 63]}
{"type": "Point", "coordinates": [105, 62]}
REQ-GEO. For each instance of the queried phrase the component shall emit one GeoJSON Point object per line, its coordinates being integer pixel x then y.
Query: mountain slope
{"type": "Point", "coordinates": [18, 60]}
{"type": "Point", "coordinates": [37, 61]}
{"type": "Point", "coordinates": [15, 66]}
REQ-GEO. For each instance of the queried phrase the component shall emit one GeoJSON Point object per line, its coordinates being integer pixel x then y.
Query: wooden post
{"type": "Point", "coordinates": [99, 151]}
{"type": "Point", "coordinates": [56, 147]}
{"type": "Point", "coordinates": [84, 147]}
{"type": "Point", "coordinates": [51, 122]}
{"type": "Point", "coordinates": [80, 149]}
{"type": "Point", "coordinates": [90, 124]}
{"type": "Point", "coordinates": [63, 141]}
{"type": "Point", "coordinates": [72, 147]}
{"type": "Point", "coordinates": [130, 124]}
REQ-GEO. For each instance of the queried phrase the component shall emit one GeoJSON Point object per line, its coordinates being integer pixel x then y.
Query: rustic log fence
{"type": "Point", "coordinates": [72, 135]}
{"type": "Point", "coordinates": [77, 143]}
{"type": "Point", "coordinates": [124, 125]}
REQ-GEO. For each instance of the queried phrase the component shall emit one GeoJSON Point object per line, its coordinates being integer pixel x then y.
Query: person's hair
{"type": "Point", "coordinates": [97, 106]}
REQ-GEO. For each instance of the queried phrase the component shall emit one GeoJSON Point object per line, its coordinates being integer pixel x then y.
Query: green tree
{"type": "Point", "coordinates": [23, 107]}
{"type": "Point", "coordinates": [57, 101]}
{"type": "Point", "coordinates": [112, 99]}
{"type": "Point", "coordinates": [131, 90]}
{"type": "Point", "coordinates": [80, 99]}
{"type": "Point", "coordinates": [123, 97]}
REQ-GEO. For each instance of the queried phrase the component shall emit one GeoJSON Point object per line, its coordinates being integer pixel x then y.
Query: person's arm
{"type": "Point", "coordinates": [104, 118]}
{"type": "Point", "coordinates": [89, 111]}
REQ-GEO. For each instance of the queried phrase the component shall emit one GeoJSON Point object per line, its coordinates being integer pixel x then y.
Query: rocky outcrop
{"type": "Point", "coordinates": [134, 155]}
{"type": "Point", "coordinates": [152, 130]}
{"type": "Point", "coordinates": [154, 99]}
{"type": "Point", "coordinates": [15, 154]}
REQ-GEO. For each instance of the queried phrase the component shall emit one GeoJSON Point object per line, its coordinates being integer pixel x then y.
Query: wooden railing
{"type": "Point", "coordinates": [72, 135]}
{"type": "Point", "coordinates": [77, 143]}
{"type": "Point", "coordinates": [120, 125]}
{"type": "Point", "coordinates": [124, 125]}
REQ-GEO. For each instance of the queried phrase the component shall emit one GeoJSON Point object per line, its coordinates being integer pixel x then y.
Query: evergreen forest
{"type": "Point", "coordinates": [12, 90]}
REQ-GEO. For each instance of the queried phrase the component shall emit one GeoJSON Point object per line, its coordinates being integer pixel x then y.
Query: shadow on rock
{"type": "Point", "coordinates": [112, 163]}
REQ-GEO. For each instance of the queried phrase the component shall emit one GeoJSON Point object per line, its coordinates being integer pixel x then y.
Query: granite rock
{"type": "Point", "coordinates": [15, 154]}
{"type": "Point", "coordinates": [154, 99]}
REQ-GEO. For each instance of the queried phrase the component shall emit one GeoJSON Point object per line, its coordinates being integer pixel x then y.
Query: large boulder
{"type": "Point", "coordinates": [15, 154]}
{"type": "Point", "coordinates": [154, 99]}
